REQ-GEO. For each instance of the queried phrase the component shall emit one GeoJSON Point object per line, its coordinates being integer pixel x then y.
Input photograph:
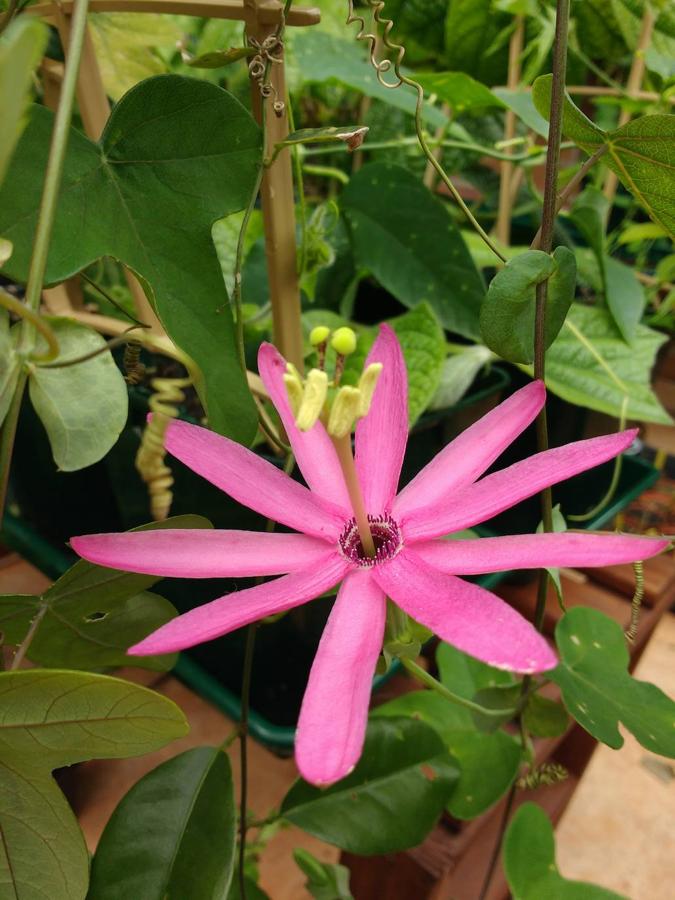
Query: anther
{"type": "Point", "coordinates": [313, 399]}
{"type": "Point", "coordinates": [344, 411]}
{"type": "Point", "coordinates": [367, 384]}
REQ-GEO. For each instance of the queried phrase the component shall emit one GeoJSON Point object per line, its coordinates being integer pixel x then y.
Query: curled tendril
{"type": "Point", "coordinates": [133, 367]}
{"type": "Point", "coordinates": [636, 602]}
{"type": "Point", "coordinates": [386, 65]}
{"type": "Point", "coordinates": [268, 51]}
{"type": "Point", "coordinates": [167, 397]}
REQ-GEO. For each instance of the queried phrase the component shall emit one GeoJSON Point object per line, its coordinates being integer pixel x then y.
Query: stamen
{"type": "Point", "coordinates": [386, 537]}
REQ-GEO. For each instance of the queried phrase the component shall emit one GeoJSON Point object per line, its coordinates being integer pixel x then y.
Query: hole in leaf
{"type": "Point", "coordinates": [95, 616]}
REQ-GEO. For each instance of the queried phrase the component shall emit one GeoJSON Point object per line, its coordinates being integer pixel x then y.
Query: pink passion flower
{"type": "Point", "coordinates": [414, 567]}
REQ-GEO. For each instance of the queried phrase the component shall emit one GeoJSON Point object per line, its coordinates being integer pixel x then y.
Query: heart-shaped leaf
{"type": "Point", "coordinates": [83, 407]}
{"type": "Point", "coordinates": [176, 155]}
{"type": "Point", "coordinates": [404, 236]}
{"type": "Point", "coordinates": [172, 834]}
{"type": "Point", "coordinates": [91, 615]}
{"type": "Point", "coordinates": [529, 862]}
{"type": "Point", "coordinates": [391, 799]}
{"type": "Point", "coordinates": [52, 719]}
{"type": "Point", "coordinates": [599, 692]}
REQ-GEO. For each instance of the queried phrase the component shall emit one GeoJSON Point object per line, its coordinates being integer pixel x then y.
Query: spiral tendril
{"type": "Point", "coordinates": [548, 773]}
{"type": "Point", "coordinates": [636, 602]}
{"type": "Point", "coordinates": [134, 369]}
{"type": "Point", "coordinates": [150, 459]}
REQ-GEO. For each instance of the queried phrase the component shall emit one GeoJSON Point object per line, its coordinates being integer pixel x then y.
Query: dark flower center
{"type": "Point", "coordinates": [386, 537]}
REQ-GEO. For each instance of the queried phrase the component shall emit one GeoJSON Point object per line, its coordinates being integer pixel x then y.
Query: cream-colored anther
{"type": "Point", "coordinates": [313, 399]}
{"type": "Point", "coordinates": [367, 384]}
{"type": "Point", "coordinates": [294, 391]}
{"type": "Point", "coordinates": [344, 411]}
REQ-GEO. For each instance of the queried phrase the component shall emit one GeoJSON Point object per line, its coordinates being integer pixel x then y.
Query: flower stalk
{"type": "Point", "coordinates": [343, 447]}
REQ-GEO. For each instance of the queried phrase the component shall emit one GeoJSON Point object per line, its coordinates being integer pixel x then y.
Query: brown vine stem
{"type": "Point", "coordinates": [43, 231]}
{"type": "Point", "coordinates": [546, 243]}
{"type": "Point", "coordinates": [506, 168]}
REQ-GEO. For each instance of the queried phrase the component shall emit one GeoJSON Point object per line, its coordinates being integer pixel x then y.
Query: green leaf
{"type": "Point", "coordinates": [423, 344]}
{"type": "Point", "coordinates": [126, 47]}
{"type": "Point", "coordinates": [640, 152]}
{"type": "Point", "coordinates": [599, 692]}
{"type": "Point", "coordinates": [21, 48]}
{"type": "Point", "coordinates": [523, 106]}
{"type": "Point", "coordinates": [488, 763]}
{"type": "Point", "coordinates": [529, 862]}
{"type": "Point", "coordinates": [92, 614]}
{"type": "Point", "coordinates": [575, 125]}
{"type": "Point", "coordinates": [625, 297]}
{"type": "Point", "coordinates": [641, 231]}
{"type": "Point", "coordinates": [172, 834]}
{"type": "Point", "coordinates": [391, 799]}
{"type": "Point", "coordinates": [507, 315]}
{"type": "Point", "coordinates": [459, 90]}
{"type": "Point", "coordinates": [471, 27]}
{"type": "Point", "coordinates": [589, 213]}
{"type": "Point", "coordinates": [10, 365]}
{"type": "Point", "coordinates": [323, 57]}
{"type": "Point", "coordinates": [544, 718]}
{"type": "Point", "coordinates": [589, 364]}
{"type": "Point", "coordinates": [325, 881]}
{"type": "Point", "coordinates": [458, 373]}
{"type": "Point", "coordinates": [405, 237]}
{"type": "Point", "coordinates": [82, 407]}
{"type": "Point", "coordinates": [217, 59]}
{"type": "Point", "coordinates": [53, 719]}
{"type": "Point", "coordinates": [160, 180]}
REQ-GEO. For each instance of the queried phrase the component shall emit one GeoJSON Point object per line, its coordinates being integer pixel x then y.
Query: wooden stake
{"type": "Point", "coordinates": [278, 205]}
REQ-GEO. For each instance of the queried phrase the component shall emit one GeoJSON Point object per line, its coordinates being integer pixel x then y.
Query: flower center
{"type": "Point", "coordinates": [386, 537]}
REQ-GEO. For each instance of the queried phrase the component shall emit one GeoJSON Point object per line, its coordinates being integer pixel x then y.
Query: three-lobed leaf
{"type": "Point", "coordinates": [172, 835]}
{"type": "Point", "coordinates": [598, 690]}
{"type": "Point", "coordinates": [405, 237]}
{"type": "Point", "coordinates": [176, 155]}
{"type": "Point", "coordinates": [53, 719]}
{"type": "Point", "coordinates": [529, 862]}
{"type": "Point", "coordinates": [392, 798]}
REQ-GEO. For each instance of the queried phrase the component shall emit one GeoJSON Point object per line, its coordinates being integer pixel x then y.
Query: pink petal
{"type": "Point", "coordinates": [534, 551]}
{"type": "Point", "coordinates": [469, 617]}
{"type": "Point", "coordinates": [382, 435]}
{"type": "Point", "coordinates": [201, 553]}
{"type": "Point", "coordinates": [252, 481]}
{"type": "Point", "coordinates": [334, 710]}
{"type": "Point", "coordinates": [313, 449]}
{"type": "Point", "coordinates": [501, 490]}
{"type": "Point", "coordinates": [473, 451]}
{"type": "Point", "coordinates": [212, 620]}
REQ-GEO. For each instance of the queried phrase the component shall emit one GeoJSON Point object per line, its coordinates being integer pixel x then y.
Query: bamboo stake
{"type": "Point", "coordinates": [278, 206]}
{"type": "Point", "coordinates": [506, 169]}
{"type": "Point", "coordinates": [635, 76]}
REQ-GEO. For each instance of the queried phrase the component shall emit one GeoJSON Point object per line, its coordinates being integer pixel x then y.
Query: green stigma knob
{"type": "Point", "coordinates": [344, 341]}
{"type": "Point", "coordinates": [319, 335]}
